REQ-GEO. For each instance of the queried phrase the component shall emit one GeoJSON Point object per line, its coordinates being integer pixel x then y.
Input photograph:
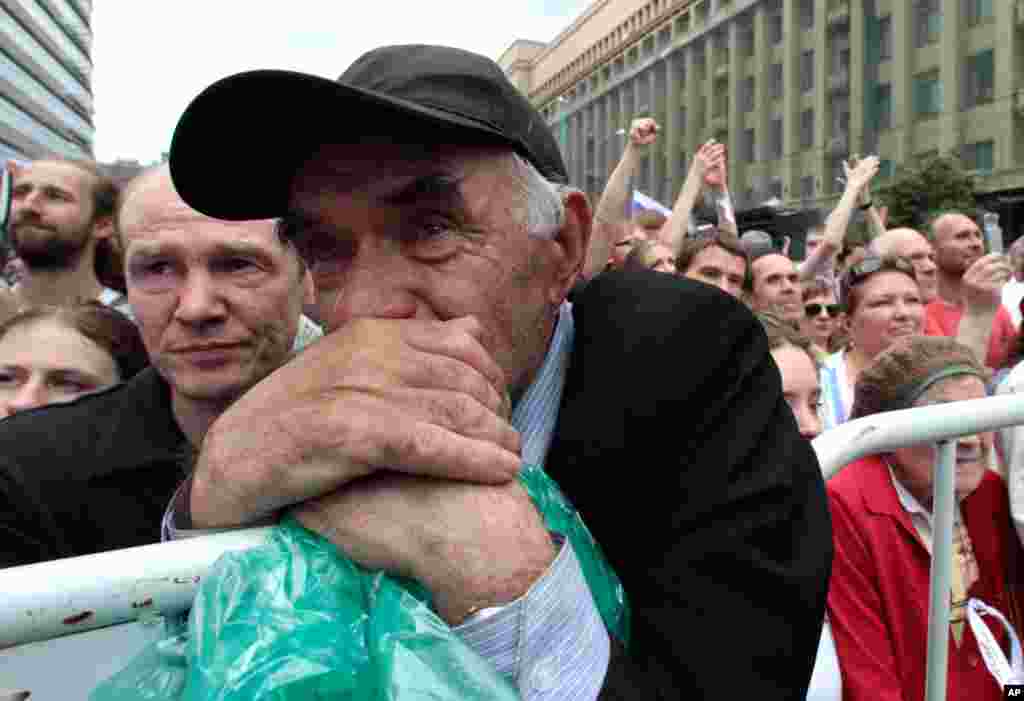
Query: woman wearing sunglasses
{"type": "Point", "coordinates": [821, 316]}
{"type": "Point", "coordinates": [883, 303]}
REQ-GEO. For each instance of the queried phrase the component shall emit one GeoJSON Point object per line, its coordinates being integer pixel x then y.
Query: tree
{"type": "Point", "coordinates": [920, 192]}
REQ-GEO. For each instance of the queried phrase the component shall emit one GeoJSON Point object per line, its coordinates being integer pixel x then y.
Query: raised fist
{"type": "Point", "coordinates": [643, 131]}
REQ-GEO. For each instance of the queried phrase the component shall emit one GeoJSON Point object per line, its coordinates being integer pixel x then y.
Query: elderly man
{"type": "Point", "coordinates": [425, 193]}
{"type": "Point", "coordinates": [914, 247]}
{"type": "Point", "coordinates": [218, 307]}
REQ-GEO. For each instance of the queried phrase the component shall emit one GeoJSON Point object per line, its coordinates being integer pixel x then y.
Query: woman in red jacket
{"type": "Point", "coordinates": [882, 529]}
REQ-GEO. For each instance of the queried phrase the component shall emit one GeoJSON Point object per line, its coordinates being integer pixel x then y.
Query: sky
{"type": "Point", "coordinates": [151, 58]}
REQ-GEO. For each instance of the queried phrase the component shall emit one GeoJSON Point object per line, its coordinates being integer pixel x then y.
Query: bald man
{"type": "Point", "coordinates": [970, 285]}
{"type": "Point", "coordinates": [914, 247]}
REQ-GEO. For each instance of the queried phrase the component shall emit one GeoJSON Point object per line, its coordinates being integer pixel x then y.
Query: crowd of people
{"type": "Point", "coordinates": [372, 333]}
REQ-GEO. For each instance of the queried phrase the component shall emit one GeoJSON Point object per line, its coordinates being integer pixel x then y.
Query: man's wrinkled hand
{"type": "Point", "coordinates": [471, 545]}
{"type": "Point", "coordinates": [422, 397]}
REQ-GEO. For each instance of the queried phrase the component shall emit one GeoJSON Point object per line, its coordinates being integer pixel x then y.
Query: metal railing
{"type": "Point", "coordinates": [52, 599]}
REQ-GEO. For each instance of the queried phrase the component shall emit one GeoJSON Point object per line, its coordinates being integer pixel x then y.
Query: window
{"type": "Point", "coordinates": [807, 71]}
{"type": "Point", "coordinates": [840, 105]}
{"type": "Point", "coordinates": [883, 106]}
{"type": "Point", "coordinates": [928, 24]}
{"type": "Point", "coordinates": [978, 156]}
{"type": "Point", "coordinates": [775, 189]}
{"type": "Point", "coordinates": [699, 67]}
{"type": "Point", "coordinates": [807, 187]}
{"type": "Point", "coordinates": [747, 95]}
{"type": "Point", "coordinates": [682, 162]}
{"type": "Point", "coordinates": [979, 79]}
{"type": "Point", "coordinates": [835, 173]}
{"type": "Point", "coordinates": [928, 94]}
{"type": "Point", "coordinates": [806, 14]}
{"type": "Point", "coordinates": [885, 38]}
{"type": "Point", "coordinates": [746, 38]}
{"type": "Point", "coordinates": [775, 28]}
{"type": "Point", "coordinates": [775, 81]}
{"type": "Point", "coordinates": [682, 120]}
{"type": "Point", "coordinates": [775, 139]}
{"type": "Point", "coordinates": [807, 129]}
{"type": "Point", "coordinates": [721, 102]}
{"type": "Point", "coordinates": [747, 146]}
{"type": "Point", "coordinates": [978, 11]}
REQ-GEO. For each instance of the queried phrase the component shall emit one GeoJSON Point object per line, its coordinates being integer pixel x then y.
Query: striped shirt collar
{"type": "Point", "coordinates": [536, 413]}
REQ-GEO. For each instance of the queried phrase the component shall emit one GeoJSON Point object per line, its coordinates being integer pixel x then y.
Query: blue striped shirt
{"type": "Point", "coordinates": [551, 642]}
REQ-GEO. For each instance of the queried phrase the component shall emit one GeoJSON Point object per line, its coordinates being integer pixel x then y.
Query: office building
{"type": "Point", "coordinates": [792, 86]}
{"type": "Point", "coordinates": [45, 79]}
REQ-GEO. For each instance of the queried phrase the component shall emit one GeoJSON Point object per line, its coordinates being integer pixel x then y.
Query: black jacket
{"type": "Point", "coordinates": [92, 475]}
{"type": "Point", "coordinates": [675, 444]}
{"type": "Point", "coordinates": [673, 441]}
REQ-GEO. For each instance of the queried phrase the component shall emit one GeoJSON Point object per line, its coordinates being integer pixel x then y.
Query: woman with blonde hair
{"type": "Point", "coordinates": [794, 356]}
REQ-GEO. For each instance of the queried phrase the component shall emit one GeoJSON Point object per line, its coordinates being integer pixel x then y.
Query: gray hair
{"type": "Point", "coordinates": [543, 209]}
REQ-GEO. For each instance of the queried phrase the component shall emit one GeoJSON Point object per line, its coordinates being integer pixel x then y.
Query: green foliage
{"type": "Point", "coordinates": [921, 191]}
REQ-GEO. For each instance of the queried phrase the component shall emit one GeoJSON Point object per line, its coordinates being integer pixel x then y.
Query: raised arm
{"type": "Point", "coordinates": [709, 158]}
{"type": "Point", "coordinates": [611, 220]}
{"type": "Point", "coordinates": [857, 179]}
{"type": "Point", "coordinates": [716, 182]}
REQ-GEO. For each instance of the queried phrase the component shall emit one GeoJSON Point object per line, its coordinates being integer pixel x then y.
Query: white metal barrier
{"type": "Point", "coordinates": [45, 601]}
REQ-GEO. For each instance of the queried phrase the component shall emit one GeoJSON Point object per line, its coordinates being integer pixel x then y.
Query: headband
{"type": "Point", "coordinates": [910, 393]}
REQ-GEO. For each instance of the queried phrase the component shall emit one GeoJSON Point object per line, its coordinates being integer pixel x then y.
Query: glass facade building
{"type": "Point", "coordinates": [45, 79]}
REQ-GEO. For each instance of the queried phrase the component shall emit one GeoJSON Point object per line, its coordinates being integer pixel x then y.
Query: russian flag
{"type": "Point", "coordinates": [641, 202]}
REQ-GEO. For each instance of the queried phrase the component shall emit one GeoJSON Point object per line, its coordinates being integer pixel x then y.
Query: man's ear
{"type": "Point", "coordinates": [574, 240]}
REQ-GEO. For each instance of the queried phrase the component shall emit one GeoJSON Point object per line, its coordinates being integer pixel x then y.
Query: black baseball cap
{"type": "Point", "coordinates": [239, 143]}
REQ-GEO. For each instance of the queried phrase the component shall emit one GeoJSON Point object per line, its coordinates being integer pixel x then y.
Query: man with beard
{"type": "Point", "coordinates": [61, 212]}
{"type": "Point", "coordinates": [964, 277]}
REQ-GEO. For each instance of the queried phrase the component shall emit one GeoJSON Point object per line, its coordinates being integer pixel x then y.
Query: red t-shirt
{"type": "Point", "coordinates": [943, 319]}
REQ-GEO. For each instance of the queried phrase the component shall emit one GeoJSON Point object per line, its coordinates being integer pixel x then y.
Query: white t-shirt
{"type": "Point", "coordinates": [1013, 293]}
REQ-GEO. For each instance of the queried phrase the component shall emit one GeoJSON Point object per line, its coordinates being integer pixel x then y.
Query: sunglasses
{"type": "Point", "coordinates": [814, 309]}
{"type": "Point", "coordinates": [865, 269]}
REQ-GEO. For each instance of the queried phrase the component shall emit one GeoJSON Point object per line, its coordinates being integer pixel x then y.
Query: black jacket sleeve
{"type": "Point", "coordinates": [678, 449]}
